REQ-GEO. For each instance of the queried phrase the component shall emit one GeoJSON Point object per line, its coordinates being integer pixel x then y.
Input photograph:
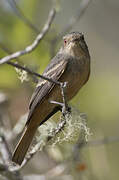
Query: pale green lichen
{"type": "Point", "coordinates": [22, 75]}
{"type": "Point", "coordinates": [75, 124]}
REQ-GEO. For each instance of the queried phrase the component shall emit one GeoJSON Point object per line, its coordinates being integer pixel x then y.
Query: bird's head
{"type": "Point", "coordinates": [74, 44]}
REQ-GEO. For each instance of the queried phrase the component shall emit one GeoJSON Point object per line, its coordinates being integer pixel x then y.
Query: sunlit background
{"type": "Point", "coordinates": [98, 99]}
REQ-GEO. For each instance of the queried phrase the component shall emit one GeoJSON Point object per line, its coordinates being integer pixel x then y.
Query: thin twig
{"type": "Point", "coordinates": [32, 72]}
{"type": "Point", "coordinates": [35, 43]}
{"type": "Point", "coordinates": [4, 149]}
{"type": "Point", "coordinates": [6, 157]}
{"type": "Point", "coordinates": [63, 91]}
{"type": "Point", "coordinates": [4, 145]}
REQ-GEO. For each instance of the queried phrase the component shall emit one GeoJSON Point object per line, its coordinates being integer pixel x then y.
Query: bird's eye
{"type": "Point", "coordinates": [65, 41]}
{"type": "Point", "coordinates": [82, 37]}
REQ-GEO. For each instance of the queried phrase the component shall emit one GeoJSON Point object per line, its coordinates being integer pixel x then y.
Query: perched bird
{"type": "Point", "coordinates": [72, 65]}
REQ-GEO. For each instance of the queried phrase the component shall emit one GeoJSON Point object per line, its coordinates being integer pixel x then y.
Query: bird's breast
{"type": "Point", "coordinates": [76, 75]}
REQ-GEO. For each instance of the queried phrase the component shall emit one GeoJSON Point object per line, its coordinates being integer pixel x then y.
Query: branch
{"type": "Point", "coordinates": [6, 156]}
{"type": "Point", "coordinates": [32, 72]}
{"type": "Point", "coordinates": [65, 107]}
{"type": "Point", "coordinates": [4, 145]}
{"type": "Point", "coordinates": [36, 42]}
{"type": "Point", "coordinates": [5, 152]}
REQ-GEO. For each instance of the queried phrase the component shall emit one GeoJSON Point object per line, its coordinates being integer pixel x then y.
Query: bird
{"type": "Point", "coordinates": [72, 65]}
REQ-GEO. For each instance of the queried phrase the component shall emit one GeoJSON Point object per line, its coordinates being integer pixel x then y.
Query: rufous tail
{"type": "Point", "coordinates": [23, 145]}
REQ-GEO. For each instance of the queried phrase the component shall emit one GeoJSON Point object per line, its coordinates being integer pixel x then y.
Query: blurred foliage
{"type": "Point", "coordinates": [98, 98]}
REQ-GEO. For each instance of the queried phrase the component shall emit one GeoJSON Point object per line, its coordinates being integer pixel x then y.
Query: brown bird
{"type": "Point", "coordinates": [71, 64]}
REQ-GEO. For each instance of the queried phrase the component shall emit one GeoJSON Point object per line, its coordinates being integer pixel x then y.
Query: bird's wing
{"type": "Point", "coordinates": [54, 70]}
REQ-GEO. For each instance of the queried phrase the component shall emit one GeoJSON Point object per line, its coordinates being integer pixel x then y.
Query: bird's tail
{"type": "Point", "coordinates": [23, 145]}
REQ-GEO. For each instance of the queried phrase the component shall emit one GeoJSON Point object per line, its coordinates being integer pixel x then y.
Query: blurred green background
{"type": "Point", "coordinates": [99, 98]}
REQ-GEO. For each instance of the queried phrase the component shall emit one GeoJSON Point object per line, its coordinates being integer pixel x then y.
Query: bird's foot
{"type": "Point", "coordinates": [58, 103]}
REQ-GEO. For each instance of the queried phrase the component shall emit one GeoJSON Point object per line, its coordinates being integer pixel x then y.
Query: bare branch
{"type": "Point", "coordinates": [4, 149]}
{"type": "Point", "coordinates": [6, 156]}
{"type": "Point", "coordinates": [63, 91]}
{"type": "Point", "coordinates": [32, 72]}
{"type": "Point", "coordinates": [36, 42]}
{"type": "Point", "coordinates": [5, 129]}
{"type": "Point", "coordinates": [6, 153]}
